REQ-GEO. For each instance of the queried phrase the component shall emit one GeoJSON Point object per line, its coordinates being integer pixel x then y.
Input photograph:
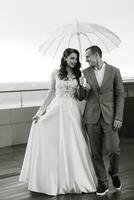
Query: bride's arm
{"type": "Point", "coordinates": [51, 94]}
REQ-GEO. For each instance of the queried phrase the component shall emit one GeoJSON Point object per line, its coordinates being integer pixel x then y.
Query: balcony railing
{"type": "Point", "coordinates": [22, 98]}
{"type": "Point", "coordinates": [34, 97]}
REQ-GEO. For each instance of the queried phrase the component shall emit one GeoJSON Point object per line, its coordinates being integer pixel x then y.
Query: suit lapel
{"type": "Point", "coordinates": [93, 77]}
{"type": "Point", "coordinates": [106, 74]}
{"type": "Point", "coordinates": [105, 78]}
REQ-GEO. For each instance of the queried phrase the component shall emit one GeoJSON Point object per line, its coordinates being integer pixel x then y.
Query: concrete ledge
{"type": "Point", "coordinates": [15, 125]}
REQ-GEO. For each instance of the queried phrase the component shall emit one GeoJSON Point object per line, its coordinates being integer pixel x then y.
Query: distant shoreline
{"type": "Point", "coordinates": [38, 85]}
{"type": "Point", "coordinates": [23, 86]}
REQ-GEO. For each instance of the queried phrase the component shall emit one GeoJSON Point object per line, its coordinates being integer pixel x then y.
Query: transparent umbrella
{"type": "Point", "coordinates": [79, 36]}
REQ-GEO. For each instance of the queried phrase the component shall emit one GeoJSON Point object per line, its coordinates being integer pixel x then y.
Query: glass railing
{"type": "Point", "coordinates": [34, 97]}
{"type": "Point", "coordinates": [22, 98]}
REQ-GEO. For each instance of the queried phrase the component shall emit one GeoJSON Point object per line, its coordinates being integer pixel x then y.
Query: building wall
{"type": "Point", "coordinates": [128, 119]}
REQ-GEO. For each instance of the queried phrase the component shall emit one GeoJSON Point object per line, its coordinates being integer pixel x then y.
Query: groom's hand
{"type": "Point", "coordinates": [117, 124]}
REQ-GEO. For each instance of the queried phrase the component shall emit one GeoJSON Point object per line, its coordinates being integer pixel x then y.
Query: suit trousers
{"type": "Point", "coordinates": [102, 135]}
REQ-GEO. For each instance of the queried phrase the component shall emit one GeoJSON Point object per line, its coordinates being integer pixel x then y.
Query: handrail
{"type": "Point", "coordinates": [20, 92]}
{"type": "Point", "coordinates": [28, 90]}
{"type": "Point", "coordinates": [125, 82]}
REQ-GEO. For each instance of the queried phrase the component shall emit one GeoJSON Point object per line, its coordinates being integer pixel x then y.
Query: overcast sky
{"type": "Point", "coordinates": [25, 24]}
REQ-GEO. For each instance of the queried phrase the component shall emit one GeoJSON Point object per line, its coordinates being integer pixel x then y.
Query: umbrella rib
{"type": "Point", "coordinates": [70, 40]}
{"type": "Point", "coordinates": [41, 46]}
{"type": "Point", "coordinates": [108, 38]}
{"type": "Point", "coordinates": [61, 40]}
{"type": "Point", "coordinates": [45, 43]}
{"type": "Point", "coordinates": [49, 45]}
{"type": "Point", "coordinates": [102, 42]}
{"type": "Point", "coordinates": [86, 37]}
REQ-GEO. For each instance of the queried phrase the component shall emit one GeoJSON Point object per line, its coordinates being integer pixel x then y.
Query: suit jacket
{"type": "Point", "coordinates": [107, 99]}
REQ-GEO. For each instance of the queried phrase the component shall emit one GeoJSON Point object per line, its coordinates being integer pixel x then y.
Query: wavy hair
{"type": "Point", "coordinates": [76, 70]}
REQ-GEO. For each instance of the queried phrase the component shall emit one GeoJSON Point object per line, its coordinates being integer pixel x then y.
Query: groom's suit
{"type": "Point", "coordinates": [107, 99]}
{"type": "Point", "coordinates": [104, 105]}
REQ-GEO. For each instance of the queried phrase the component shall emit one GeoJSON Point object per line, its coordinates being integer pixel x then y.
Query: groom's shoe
{"type": "Point", "coordinates": [102, 190]}
{"type": "Point", "coordinates": [116, 182]}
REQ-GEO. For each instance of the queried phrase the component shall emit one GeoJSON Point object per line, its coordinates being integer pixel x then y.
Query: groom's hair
{"type": "Point", "coordinates": [95, 49]}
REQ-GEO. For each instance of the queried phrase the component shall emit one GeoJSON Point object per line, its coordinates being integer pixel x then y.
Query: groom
{"type": "Point", "coordinates": [103, 115]}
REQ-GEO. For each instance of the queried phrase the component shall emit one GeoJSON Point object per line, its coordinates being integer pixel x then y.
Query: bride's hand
{"type": "Point", "coordinates": [35, 118]}
{"type": "Point", "coordinates": [88, 86]}
{"type": "Point", "coordinates": [83, 83]}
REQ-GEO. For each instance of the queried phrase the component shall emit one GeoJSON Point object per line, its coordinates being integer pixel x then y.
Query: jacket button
{"type": "Point", "coordinates": [100, 91]}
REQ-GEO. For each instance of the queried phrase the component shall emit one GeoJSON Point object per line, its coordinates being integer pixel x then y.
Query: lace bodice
{"type": "Point", "coordinates": [65, 88]}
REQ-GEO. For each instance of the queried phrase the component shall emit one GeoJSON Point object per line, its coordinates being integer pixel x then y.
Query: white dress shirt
{"type": "Point", "coordinates": [99, 73]}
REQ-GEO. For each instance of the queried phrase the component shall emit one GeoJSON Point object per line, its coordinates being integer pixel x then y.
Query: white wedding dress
{"type": "Point", "coordinates": [57, 159]}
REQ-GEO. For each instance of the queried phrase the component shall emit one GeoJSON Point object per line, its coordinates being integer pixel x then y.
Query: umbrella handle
{"type": "Point", "coordinates": [84, 79]}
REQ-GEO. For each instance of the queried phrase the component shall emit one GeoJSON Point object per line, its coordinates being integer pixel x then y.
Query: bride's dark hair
{"type": "Point", "coordinates": [76, 70]}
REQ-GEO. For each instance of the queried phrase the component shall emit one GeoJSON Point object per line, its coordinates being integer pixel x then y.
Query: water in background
{"type": "Point", "coordinates": [27, 94]}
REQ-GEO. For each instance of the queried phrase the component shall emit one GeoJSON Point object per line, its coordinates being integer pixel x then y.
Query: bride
{"type": "Point", "coordinates": [57, 159]}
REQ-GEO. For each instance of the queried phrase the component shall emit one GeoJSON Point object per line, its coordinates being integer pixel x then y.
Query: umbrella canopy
{"type": "Point", "coordinates": [79, 36]}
